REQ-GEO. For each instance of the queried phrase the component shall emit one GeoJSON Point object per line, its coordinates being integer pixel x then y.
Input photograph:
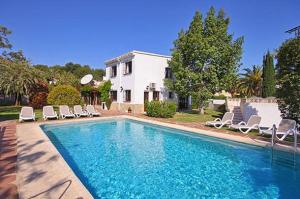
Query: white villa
{"type": "Point", "coordinates": [138, 77]}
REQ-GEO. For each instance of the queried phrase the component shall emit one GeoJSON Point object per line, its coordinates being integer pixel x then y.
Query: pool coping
{"type": "Point", "coordinates": [77, 189]}
{"type": "Point", "coordinates": [220, 135]}
{"type": "Point", "coordinates": [48, 179]}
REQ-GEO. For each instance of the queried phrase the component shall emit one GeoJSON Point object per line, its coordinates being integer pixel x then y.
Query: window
{"type": "Point", "coordinates": [128, 68]}
{"type": "Point", "coordinates": [127, 95]}
{"type": "Point", "coordinates": [114, 95]}
{"type": "Point", "coordinates": [156, 95]}
{"type": "Point", "coordinates": [171, 95]}
{"type": "Point", "coordinates": [168, 73]}
{"type": "Point", "coordinates": [113, 71]}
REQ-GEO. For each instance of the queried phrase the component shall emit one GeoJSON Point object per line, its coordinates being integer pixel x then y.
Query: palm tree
{"type": "Point", "coordinates": [17, 78]}
{"type": "Point", "coordinates": [251, 82]}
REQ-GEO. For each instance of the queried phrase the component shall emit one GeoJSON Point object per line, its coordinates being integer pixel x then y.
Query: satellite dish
{"type": "Point", "coordinates": [86, 79]}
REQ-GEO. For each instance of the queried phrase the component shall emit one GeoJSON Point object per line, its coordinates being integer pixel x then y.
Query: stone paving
{"type": "Point", "coordinates": [8, 160]}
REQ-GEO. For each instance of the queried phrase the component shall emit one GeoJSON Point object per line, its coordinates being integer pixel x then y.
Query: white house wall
{"type": "Point", "coordinates": [149, 69]}
{"type": "Point", "coordinates": [146, 68]}
{"type": "Point", "coordinates": [269, 113]}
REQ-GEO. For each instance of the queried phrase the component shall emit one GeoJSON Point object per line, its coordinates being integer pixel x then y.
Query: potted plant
{"type": "Point", "coordinates": [129, 110]}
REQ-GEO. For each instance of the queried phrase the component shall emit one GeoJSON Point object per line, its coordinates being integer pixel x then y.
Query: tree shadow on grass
{"type": "Point", "coordinates": [13, 116]}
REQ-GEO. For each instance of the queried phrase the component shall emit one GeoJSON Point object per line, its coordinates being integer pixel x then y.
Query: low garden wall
{"type": "Point", "coordinates": [267, 108]}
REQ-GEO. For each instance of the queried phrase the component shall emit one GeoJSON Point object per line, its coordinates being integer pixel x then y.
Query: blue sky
{"type": "Point", "coordinates": [90, 32]}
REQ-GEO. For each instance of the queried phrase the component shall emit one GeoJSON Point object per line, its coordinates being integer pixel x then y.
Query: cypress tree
{"type": "Point", "coordinates": [268, 76]}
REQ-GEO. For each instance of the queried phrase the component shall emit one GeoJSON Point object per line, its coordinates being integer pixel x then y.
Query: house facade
{"type": "Point", "coordinates": [138, 77]}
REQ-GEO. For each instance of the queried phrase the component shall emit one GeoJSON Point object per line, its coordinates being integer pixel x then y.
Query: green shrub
{"type": "Point", "coordinates": [219, 97]}
{"type": "Point", "coordinates": [164, 109]}
{"type": "Point", "coordinates": [86, 90]}
{"type": "Point", "coordinates": [108, 103]}
{"type": "Point", "coordinates": [104, 90]}
{"type": "Point", "coordinates": [38, 100]}
{"type": "Point", "coordinates": [64, 95]}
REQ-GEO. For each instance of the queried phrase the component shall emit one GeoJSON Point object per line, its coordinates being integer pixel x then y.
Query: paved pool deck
{"type": "Point", "coordinates": [43, 173]}
{"type": "Point", "coordinates": [8, 160]}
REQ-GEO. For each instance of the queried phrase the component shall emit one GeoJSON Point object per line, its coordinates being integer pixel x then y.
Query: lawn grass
{"type": "Point", "coordinates": [12, 113]}
{"type": "Point", "coordinates": [194, 116]}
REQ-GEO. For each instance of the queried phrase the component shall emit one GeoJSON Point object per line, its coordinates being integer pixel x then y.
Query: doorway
{"type": "Point", "coordinates": [183, 103]}
{"type": "Point", "coordinates": [146, 100]}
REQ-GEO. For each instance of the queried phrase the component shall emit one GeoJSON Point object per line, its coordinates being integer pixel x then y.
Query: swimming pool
{"type": "Point", "coordinates": [129, 159]}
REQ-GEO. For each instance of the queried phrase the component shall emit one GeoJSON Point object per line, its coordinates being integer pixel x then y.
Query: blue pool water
{"type": "Point", "coordinates": [129, 159]}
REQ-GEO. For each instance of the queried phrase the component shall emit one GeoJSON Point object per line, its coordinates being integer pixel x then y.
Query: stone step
{"type": "Point", "coordinates": [237, 113]}
{"type": "Point", "coordinates": [237, 118]}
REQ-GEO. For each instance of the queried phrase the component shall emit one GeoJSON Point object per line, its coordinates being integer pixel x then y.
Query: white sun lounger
{"type": "Point", "coordinates": [65, 112]}
{"type": "Point", "coordinates": [26, 114]}
{"type": "Point", "coordinates": [286, 127]}
{"type": "Point", "coordinates": [49, 113]}
{"type": "Point", "coordinates": [219, 123]}
{"type": "Point", "coordinates": [252, 123]}
{"type": "Point", "coordinates": [79, 112]}
{"type": "Point", "coordinates": [91, 111]}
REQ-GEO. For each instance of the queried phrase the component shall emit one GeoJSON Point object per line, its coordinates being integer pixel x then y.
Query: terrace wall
{"type": "Point", "coordinates": [267, 108]}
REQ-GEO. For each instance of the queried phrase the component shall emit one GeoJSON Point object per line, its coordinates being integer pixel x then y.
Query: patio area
{"type": "Point", "coordinates": [8, 160]}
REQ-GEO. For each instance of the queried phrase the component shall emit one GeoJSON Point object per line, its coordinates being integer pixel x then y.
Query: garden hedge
{"type": "Point", "coordinates": [162, 109]}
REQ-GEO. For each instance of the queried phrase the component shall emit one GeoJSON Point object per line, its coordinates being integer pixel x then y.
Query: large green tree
{"type": "Point", "coordinates": [18, 78]}
{"type": "Point", "coordinates": [288, 75]}
{"type": "Point", "coordinates": [77, 70]}
{"type": "Point", "coordinates": [268, 83]}
{"type": "Point", "coordinates": [288, 58]}
{"type": "Point", "coordinates": [205, 58]}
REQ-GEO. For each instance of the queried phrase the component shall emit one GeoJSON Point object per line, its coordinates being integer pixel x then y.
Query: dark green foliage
{"type": "Point", "coordinates": [201, 98]}
{"type": "Point", "coordinates": [288, 58]}
{"type": "Point", "coordinates": [104, 90]}
{"type": "Point", "coordinates": [77, 71]}
{"type": "Point", "coordinates": [205, 58]}
{"type": "Point", "coordinates": [86, 90]}
{"type": "Point", "coordinates": [39, 100]}
{"type": "Point", "coordinates": [64, 95]}
{"type": "Point", "coordinates": [289, 92]}
{"type": "Point", "coordinates": [288, 74]}
{"type": "Point", "coordinates": [162, 109]}
{"type": "Point", "coordinates": [17, 78]}
{"type": "Point", "coordinates": [4, 32]}
{"type": "Point", "coordinates": [15, 56]}
{"type": "Point", "coordinates": [268, 84]}
{"type": "Point", "coordinates": [98, 74]}
{"type": "Point", "coordinates": [220, 97]}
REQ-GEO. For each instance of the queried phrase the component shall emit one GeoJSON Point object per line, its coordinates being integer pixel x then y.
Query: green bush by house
{"type": "Point", "coordinates": [219, 97]}
{"type": "Point", "coordinates": [64, 95]}
{"type": "Point", "coordinates": [104, 90]}
{"type": "Point", "coordinates": [163, 109]}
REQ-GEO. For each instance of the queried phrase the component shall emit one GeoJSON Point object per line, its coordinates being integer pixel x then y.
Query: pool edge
{"type": "Point", "coordinates": [36, 133]}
